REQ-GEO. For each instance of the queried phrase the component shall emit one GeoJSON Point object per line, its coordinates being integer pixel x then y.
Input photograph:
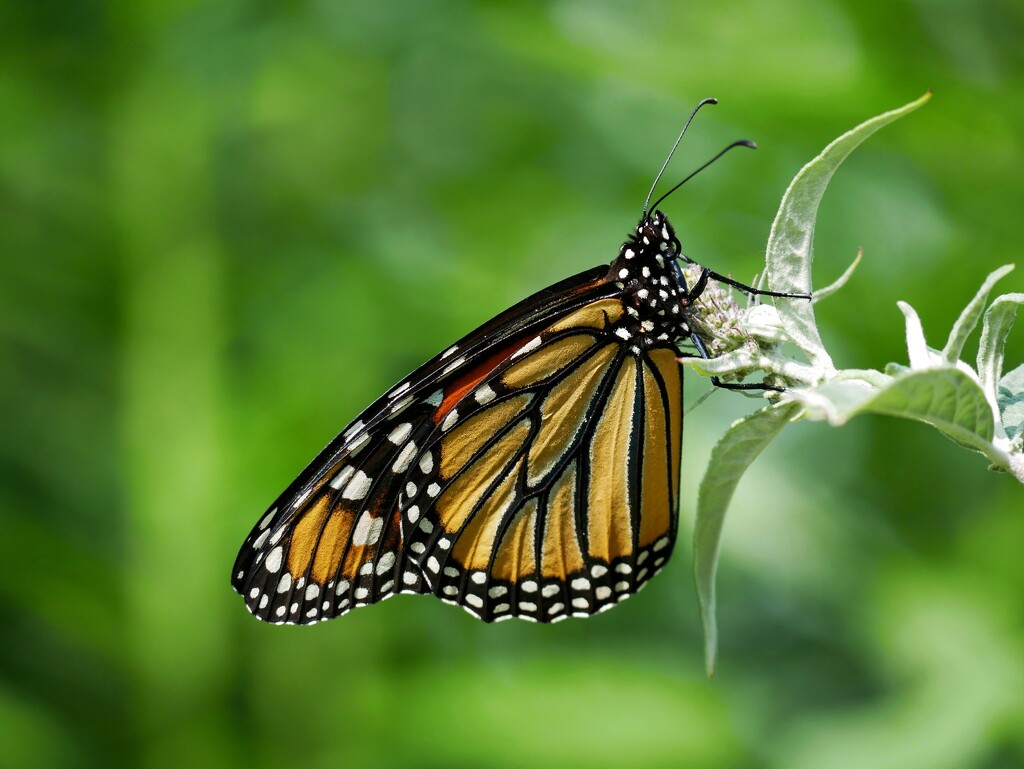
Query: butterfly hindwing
{"type": "Point", "coordinates": [553, 481]}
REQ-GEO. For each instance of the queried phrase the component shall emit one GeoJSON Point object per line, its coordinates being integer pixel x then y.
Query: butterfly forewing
{"type": "Point", "coordinates": [337, 543]}
{"type": "Point", "coordinates": [333, 540]}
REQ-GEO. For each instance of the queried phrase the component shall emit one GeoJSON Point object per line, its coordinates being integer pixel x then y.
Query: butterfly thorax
{"type": "Point", "coordinates": [653, 286]}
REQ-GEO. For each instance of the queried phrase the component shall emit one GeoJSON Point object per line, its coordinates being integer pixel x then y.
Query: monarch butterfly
{"type": "Point", "coordinates": [529, 470]}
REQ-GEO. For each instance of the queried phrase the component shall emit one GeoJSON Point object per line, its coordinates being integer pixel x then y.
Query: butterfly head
{"type": "Point", "coordinates": [653, 289]}
{"type": "Point", "coordinates": [655, 236]}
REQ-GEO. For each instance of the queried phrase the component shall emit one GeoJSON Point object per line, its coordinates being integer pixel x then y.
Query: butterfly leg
{"type": "Point", "coordinates": [698, 287]}
{"type": "Point", "coordinates": [692, 295]}
{"type": "Point", "coordinates": [702, 350]}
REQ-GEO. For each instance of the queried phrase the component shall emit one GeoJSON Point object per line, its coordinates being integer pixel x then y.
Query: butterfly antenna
{"type": "Point", "coordinates": [740, 143]}
{"type": "Point", "coordinates": [672, 152]}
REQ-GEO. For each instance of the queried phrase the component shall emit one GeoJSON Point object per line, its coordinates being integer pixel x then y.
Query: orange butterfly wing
{"type": "Point", "coordinates": [551, 487]}
{"type": "Point", "coordinates": [333, 540]}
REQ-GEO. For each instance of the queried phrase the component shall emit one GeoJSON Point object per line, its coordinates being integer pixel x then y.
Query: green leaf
{"type": "Point", "coordinates": [1011, 404]}
{"type": "Point", "coordinates": [835, 401]}
{"type": "Point", "coordinates": [790, 242]}
{"type": "Point", "coordinates": [868, 375]}
{"type": "Point", "coordinates": [742, 442]}
{"type": "Point", "coordinates": [998, 321]}
{"type": "Point", "coordinates": [725, 364]}
{"type": "Point", "coordinates": [946, 398]}
{"type": "Point", "coordinates": [969, 318]}
{"type": "Point", "coordinates": [917, 347]}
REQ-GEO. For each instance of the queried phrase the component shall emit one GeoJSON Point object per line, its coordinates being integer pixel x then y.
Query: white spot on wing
{"type": "Point", "coordinates": [484, 395]}
{"type": "Point", "coordinates": [386, 563]}
{"type": "Point", "coordinates": [342, 477]}
{"type": "Point", "coordinates": [453, 365]}
{"type": "Point", "coordinates": [400, 433]}
{"type": "Point", "coordinates": [367, 530]}
{"type": "Point", "coordinates": [359, 444]}
{"type": "Point", "coordinates": [533, 344]}
{"type": "Point", "coordinates": [274, 560]}
{"type": "Point", "coordinates": [426, 462]}
{"type": "Point", "coordinates": [450, 420]}
{"type": "Point", "coordinates": [358, 487]}
{"type": "Point", "coordinates": [404, 458]}
{"type": "Point", "coordinates": [401, 405]}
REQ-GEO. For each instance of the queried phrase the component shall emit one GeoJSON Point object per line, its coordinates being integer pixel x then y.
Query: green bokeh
{"type": "Point", "coordinates": [225, 227]}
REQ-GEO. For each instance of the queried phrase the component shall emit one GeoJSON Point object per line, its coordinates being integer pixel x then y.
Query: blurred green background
{"type": "Point", "coordinates": [225, 227]}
